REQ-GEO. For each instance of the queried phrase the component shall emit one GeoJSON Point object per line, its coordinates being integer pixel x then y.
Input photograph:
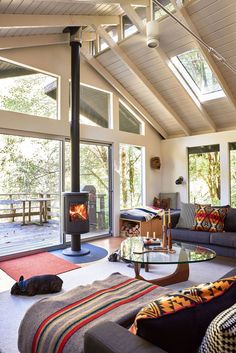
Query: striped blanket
{"type": "Point", "coordinates": [57, 324]}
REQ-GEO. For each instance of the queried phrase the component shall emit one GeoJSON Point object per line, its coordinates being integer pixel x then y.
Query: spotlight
{"type": "Point", "coordinates": [152, 34]}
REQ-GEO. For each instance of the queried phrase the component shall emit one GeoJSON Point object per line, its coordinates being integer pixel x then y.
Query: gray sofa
{"type": "Point", "coordinates": [223, 243]}
{"type": "Point", "coordinates": [109, 337]}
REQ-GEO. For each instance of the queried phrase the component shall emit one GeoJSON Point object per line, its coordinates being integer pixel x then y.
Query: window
{"type": "Point", "coordinates": [95, 177]}
{"type": "Point", "coordinates": [198, 75]}
{"type": "Point", "coordinates": [232, 149]}
{"type": "Point", "coordinates": [204, 174]}
{"type": "Point", "coordinates": [27, 91]}
{"type": "Point", "coordinates": [158, 12]}
{"type": "Point", "coordinates": [94, 107]}
{"type": "Point", "coordinates": [130, 176]}
{"type": "Point", "coordinates": [112, 31]}
{"type": "Point", "coordinates": [128, 27]}
{"type": "Point", "coordinates": [128, 122]}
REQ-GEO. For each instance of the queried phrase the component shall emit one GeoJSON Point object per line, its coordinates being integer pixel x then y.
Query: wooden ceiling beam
{"type": "Point", "coordinates": [135, 70]}
{"type": "Point", "coordinates": [185, 18]}
{"type": "Point", "coordinates": [40, 40]}
{"type": "Point", "coordinates": [123, 92]}
{"type": "Point", "coordinates": [39, 21]}
{"type": "Point", "coordinates": [166, 61]}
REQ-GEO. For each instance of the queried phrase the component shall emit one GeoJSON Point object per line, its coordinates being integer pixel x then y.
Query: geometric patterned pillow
{"type": "Point", "coordinates": [220, 336]}
{"type": "Point", "coordinates": [216, 217]}
{"type": "Point", "coordinates": [183, 299]}
{"type": "Point", "coordinates": [201, 219]}
{"type": "Point", "coordinates": [209, 218]}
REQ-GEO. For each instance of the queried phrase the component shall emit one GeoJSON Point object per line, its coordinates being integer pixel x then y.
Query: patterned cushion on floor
{"type": "Point", "coordinates": [220, 336]}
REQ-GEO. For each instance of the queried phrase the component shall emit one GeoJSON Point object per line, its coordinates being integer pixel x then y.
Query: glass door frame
{"type": "Point", "coordinates": [110, 187]}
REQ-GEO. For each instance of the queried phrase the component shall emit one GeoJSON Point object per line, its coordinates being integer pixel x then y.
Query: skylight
{"type": "Point", "coordinates": [158, 12]}
{"type": "Point", "coordinates": [198, 75]}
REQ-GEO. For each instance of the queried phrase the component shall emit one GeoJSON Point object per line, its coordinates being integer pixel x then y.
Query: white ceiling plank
{"type": "Point", "coordinates": [24, 21]}
{"type": "Point", "coordinates": [134, 69]}
{"type": "Point", "coordinates": [106, 74]}
{"type": "Point", "coordinates": [165, 59]}
{"type": "Point", "coordinates": [209, 59]}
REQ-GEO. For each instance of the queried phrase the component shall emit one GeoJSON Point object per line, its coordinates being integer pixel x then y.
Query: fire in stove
{"type": "Point", "coordinates": [78, 212]}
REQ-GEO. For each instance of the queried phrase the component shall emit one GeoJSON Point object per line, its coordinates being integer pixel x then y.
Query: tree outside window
{"type": "Point", "coordinates": [204, 174]}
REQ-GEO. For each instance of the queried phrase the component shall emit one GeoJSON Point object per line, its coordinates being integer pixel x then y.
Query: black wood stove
{"type": "Point", "coordinates": [76, 218]}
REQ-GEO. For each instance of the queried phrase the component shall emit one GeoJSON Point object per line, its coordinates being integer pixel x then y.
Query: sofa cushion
{"type": "Point", "coordinates": [230, 220]}
{"type": "Point", "coordinates": [187, 214]}
{"type": "Point", "coordinates": [220, 336]}
{"type": "Point", "coordinates": [177, 322]}
{"type": "Point", "coordinates": [188, 235]}
{"type": "Point", "coordinates": [227, 239]}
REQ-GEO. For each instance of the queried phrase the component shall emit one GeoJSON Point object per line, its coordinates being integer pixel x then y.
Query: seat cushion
{"type": "Point", "coordinates": [178, 321]}
{"type": "Point", "coordinates": [220, 336]}
{"type": "Point", "coordinates": [227, 239]}
{"type": "Point", "coordinates": [191, 236]}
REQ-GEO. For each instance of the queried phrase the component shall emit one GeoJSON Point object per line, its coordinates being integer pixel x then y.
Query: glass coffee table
{"type": "Point", "coordinates": [133, 250]}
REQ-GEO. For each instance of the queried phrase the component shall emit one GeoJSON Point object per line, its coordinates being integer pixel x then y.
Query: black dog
{"type": "Point", "coordinates": [37, 285]}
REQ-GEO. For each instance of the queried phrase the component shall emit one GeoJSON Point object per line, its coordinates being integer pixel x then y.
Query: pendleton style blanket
{"type": "Point", "coordinates": [57, 324]}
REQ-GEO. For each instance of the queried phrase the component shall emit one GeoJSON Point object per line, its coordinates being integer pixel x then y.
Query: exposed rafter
{"type": "Point", "coordinates": [135, 70]}
{"type": "Point", "coordinates": [32, 21]}
{"type": "Point", "coordinates": [165, 59]}
{"type": "Point", "coordinates": [40, 40]}
{"type": "Point", "coordinates": [185, 18]}
{"type": "Point", "coordinates": [131, 2]}
{"type": "Point", "coordinates": [124, 93]}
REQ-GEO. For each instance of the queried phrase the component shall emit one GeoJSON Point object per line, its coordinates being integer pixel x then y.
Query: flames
{"type": "Point", "coordinates": [78, 212]}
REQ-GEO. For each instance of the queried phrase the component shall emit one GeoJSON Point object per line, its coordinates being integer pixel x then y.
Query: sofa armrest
{"type": "Point", "coordinates": [109, 337]}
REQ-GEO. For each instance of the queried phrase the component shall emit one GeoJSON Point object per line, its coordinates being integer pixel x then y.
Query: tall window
{"type": "Point", "coordinates": [128, 121]}
{"type": "Point", "coordinates": [130, 176]}
{"type": "Point", "coordinates": [94, 106]}
{"type": "Point", "coordinates": [95, 177]}
{"type": "Point", "coordinates": [204, 174]}
{"type": "Point", "coordinates": [232, 149]}
{"type": "Point", "coordinates": [198, 75]}
{"type": "Point", "coordinates": [27, 91]}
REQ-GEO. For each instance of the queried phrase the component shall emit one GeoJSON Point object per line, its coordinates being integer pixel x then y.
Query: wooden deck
{"type": "Point", "coordinates": [15, 237]}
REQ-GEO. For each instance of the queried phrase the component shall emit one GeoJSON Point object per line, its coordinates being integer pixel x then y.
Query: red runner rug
{"type": "Point", "coordinates": [38, 264]}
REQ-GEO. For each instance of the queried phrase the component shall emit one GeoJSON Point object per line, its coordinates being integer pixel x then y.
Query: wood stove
{"type": "Point", "coordinates": [76, 218]}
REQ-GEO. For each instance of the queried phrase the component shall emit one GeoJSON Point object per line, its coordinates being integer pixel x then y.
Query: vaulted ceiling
{"type": "Point", "coordinates": [141, 74]}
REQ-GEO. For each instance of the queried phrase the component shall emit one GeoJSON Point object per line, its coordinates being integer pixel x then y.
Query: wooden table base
{"type": "Point", "coordinates": [181, 274]}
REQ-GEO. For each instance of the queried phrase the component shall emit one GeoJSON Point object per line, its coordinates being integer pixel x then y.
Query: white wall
{"type": "Point", "coordinates": [56, 60]}
{"type": "Point", "coordinates": [175, 162]}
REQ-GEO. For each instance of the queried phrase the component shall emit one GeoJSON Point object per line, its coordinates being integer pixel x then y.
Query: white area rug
{"type": "Point", "coordinates": [12, 308]}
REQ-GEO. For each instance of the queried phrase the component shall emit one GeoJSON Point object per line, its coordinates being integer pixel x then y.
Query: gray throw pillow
{"type": "Point", "coordinates": [187, 214]}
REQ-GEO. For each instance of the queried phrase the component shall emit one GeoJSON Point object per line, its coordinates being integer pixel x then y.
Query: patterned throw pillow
{"type": "Point", "coordinates": [220, 336]}
{"type": "Point", "coordinates": [189, 311]}
{"type": "Point", "coordinates": [209, 218]}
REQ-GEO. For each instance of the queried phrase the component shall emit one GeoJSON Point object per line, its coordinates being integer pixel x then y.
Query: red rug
{"type": "Point", "coordinates": [38, 264]}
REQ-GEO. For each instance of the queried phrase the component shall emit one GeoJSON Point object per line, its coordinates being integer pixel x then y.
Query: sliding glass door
{"type": "Point", "coordinates": [30, 188]}
{"type": "Point", "coordinates": [95, 177]}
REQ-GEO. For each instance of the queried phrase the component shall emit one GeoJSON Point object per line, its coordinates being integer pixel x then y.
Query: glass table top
{"type": "Point", "coordinates": [133, 249]}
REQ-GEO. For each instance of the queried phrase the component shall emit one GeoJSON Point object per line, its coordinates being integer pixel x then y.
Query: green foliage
{"type": "Point", "coordinates": [25, 94]}
{"type": "Point", "coordinates": [204, 177]}
{"type": "Point", "coordinates": [233, 177]}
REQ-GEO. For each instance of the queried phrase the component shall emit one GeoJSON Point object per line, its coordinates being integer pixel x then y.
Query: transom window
{"type": "Point", "coordinates": [128, 122]}
{"type": "Point", "coordinates": [158, 12]}
{"type": "Point", "coordinates": [198, 75]}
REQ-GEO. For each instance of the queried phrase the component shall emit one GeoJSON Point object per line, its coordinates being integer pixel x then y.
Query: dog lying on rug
{"type": "Point", "coordinates": [37, 285]}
